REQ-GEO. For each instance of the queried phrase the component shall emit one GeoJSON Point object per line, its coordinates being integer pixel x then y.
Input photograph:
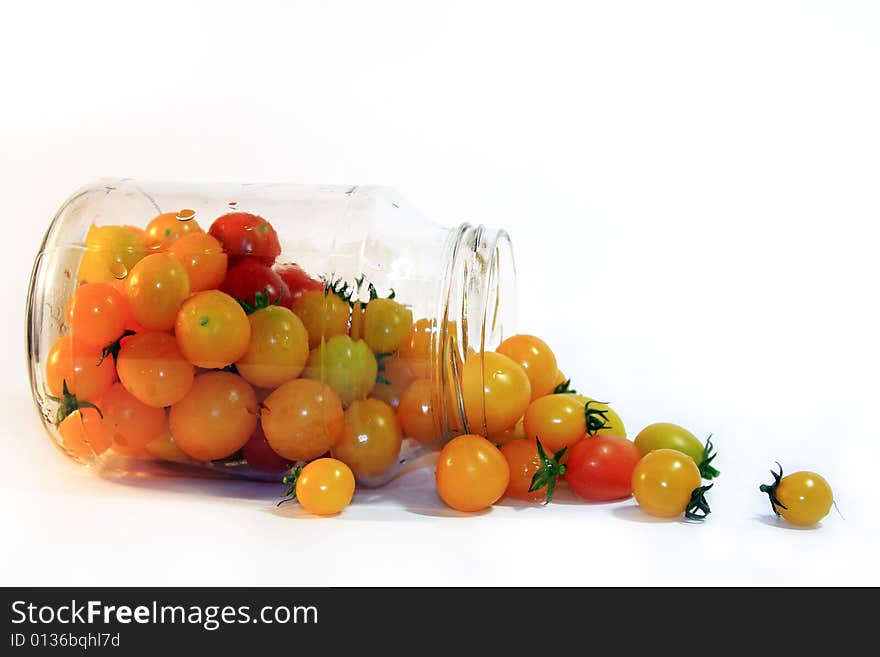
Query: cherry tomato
{"type": "Point", "coordinates": [152, 369]}
{"type": "Point", "coordinates": [417, 349]}
{"type": "Point", "coordinates": [371, 439]}
{"type": "Point", "coordinates": [600, 468]}
{"type": "Point", "coordinates": [665, 435]}
{"type": "Point", "coordinates": [560, 420]}
{"type": "Point", "coordinates": [130, 322]}
{"type": "Point", "coordinates": [97, 313]}
{"type": "Point", "coordinates": [251, 276]}
{"type": "Point", "coordinates": [802, 498]}
{"type": "Point", "coordinates": [536, 358]}
{"type": "Point", "coordinates": [87, 374]}
{"type": "Point", "coordinates": [111, 252]}
{"type": "Point", "coordinates": [495, 390]}
{"type": "Point", "coordinates": [212, 330]}
{"type": "Point", "coordinates": [260, 456]}
{"type": "Point", "coordinates": [302, 419]}
{"type": "Point", "coordinates": [325, 487]}
{"type": "Point", "coordinates": [394, 377]}
{"type": "Point", "coordinates": [297, 280]}
{"type": "Point", "coordinates": [156, 288]}
{"type": "Point", "coordinates": [244, 234]}
{"type": "Point", "coordinates": [131, 424]}
{"type": "Point", "coordinates": [560, 379]}
{"type": "Point", "coordinates": [472, 474]}
{"type": "Point", "coordinates": [324, 315]}
{"type": "Point", "coordinates": [164, 448]}
{"type": "Point", "coordinates": [613, 424]}
{"type": "Point", "coordinates": [516, 432]}
{"type": "Point", "coordinates": [165, 229]}
{"type": "Point", "coordinates": [664, 482]}
{"type": "Point", "coordinates": [84, 433]}
{"type": "Point", "coordinates": [278, 348]}
{"type": "Point", "coordinates": [416, 412]}
{"type": "Point", "coordinates": [216, 418]}
{"type": "Point", "coordinates": [203, 258]}
{"type": "Point", "coordinates": [387, 324]}
{"type": "Point", "coordinates": [523, 460]}
{"type": "Point", "coordinates": [348, 366]}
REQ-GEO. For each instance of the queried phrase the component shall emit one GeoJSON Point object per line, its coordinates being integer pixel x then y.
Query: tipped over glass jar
{"type": "Point", "coordinates": [240, 329]}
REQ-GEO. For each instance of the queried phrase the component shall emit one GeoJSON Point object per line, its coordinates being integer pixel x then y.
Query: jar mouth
{"type": "Point", "coordinates": [477, 311]}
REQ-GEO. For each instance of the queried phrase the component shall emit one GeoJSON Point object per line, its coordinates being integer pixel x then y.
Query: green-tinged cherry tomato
{"type": "Point", "coordinates": [324, 487]}
{"type": "Point", "coordinates": [152, 369]}
{"type": "Point", "coordinates": [536, 358]}
{"type": "Point", "coordinates": [802, 498]}
{"type": "Point", "coordinates": [156, 288]}
{"type": "Point", "coordinates": [665, 435]}
{"type": "Point", "coordinates": [324, 315]}
{"type": "Point", "coordinates": [216, 417]}
{"type": "Point", "coordinates": [212, 330]}
{"type": "Point", "coordinates": [472, 474]}
{"type": "Point", "coordinates": [370, 443]}
{"type": "Point", "coordinates": [600, 468]}
{"type": "Point", "coordinates": [666, 484]}
{"type": "Point", "coordinates": [278, 348]}
{"type": "Point", "coordinates": [348, 366]}
{"type": "Point", "coordinates": [387, 324]}
{"type": "Point", "coordinates": [495, 391]}
{"type": "Point", "coordinates": [302, 419]}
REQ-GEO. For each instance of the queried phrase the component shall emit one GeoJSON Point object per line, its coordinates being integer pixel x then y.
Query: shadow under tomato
{"type": "Point", "coordinates": [633, 513]}
{"type": "Point", "coordinates": [214, 486]}
{"type": "Point", "coordinates": [781, 523]}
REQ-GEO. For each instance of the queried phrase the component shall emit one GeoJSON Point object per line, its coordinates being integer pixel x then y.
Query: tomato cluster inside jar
{"type": "Point", "coordinates": [191, 337]}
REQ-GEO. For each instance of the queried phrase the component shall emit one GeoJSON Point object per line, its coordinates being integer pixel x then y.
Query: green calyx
{"type": "Point", "coordinates": [290, 480]}
{"type": "Point", "coordinates": [113, 348]}
{"type": "Point", "coordinates": [68, 403]}
{"type": "Point", "coordinates": [564, 388]}
{"type": "Point", "coordinates": [705, 465]}
{"type": "Point", "coordinates": [380, 368]}
{"type": "Point", "coordinates": [770, 489]}
{"type": "Point", "coordinates": [339, 288]}
{"type": "Point", "coordinates": [549, 471]}
{"type": "Point", "coordinates": [596, 418]}
{"type": "Point", "coordinates": [698, 507]}
{"type": "Point", "coordinates": [261, 300]}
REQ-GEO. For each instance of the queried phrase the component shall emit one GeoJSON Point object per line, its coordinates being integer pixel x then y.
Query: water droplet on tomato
{"type": "Point", "coordinates": [186, 214]}
{"type": "Point", "coordinates": [118, 270]}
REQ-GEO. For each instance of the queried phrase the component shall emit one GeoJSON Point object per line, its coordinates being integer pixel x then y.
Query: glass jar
{"type": "Point", "coordinates": [138, 364]}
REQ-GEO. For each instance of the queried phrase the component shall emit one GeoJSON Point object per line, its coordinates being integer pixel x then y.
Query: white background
{"type": "Point", "coordinates": [692, 191]}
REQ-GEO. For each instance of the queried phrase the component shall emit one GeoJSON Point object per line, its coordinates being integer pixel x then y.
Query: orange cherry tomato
{"type": "Point", "coordinates": [130, 322]}
{"type": "Point", "coordinates": [416, 412]}
{"type": "Point", "coordinates": [96, 314]}
{"type": "Point", "coordinates": [302, 419]}
{"type": "Point", "coordinates": [524, 461]}
{"type": "Point", "coordinates": [84, 433]}
{"type": "Point", "coordinates": [325, 487]}
{"type": "Point", "coordinates": [152, 369]}
{"type": "Point", "coordinates": [556, 420]}
{"type": "Point", "coordinates": [203, 258]}
{"type": "Point", "coordinates": [371, 439]}
{"type": "Point", "coordinates": [394, 376]}
{"type": "Point", "coordinates": [87, 375]}
{"type": "Point", "coordinates": [156, 287]}
{"type": "Point", "coordinates": [417, 349]}
{"type": "Point", "coordinates": [278, 348]}
{"type": "Point", "coordinates": [212, 329]}
{"type": "Point", "coordinates": [324, 315]}
{"type": "Point", "coordinates": [663, 482]}
{"type": "Point", "coordinates": [131, 424]}
{"type": "Point", "coordinates": [168, 227]}
{"type": "Point", "coordinates": [516, 432]}
{"type": "Point", "coordinates": [472, 474]}
{"type": "Point", "coordinates": [216, 417]}
{"type": "Point", "coordinates": [536, 358]}
{"type": "Point", "coordinates": [495, 391]}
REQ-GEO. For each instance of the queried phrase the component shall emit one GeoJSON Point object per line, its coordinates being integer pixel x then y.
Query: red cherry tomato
{"type": "Point", "coordinates": [244, 234]}
{"type": "Point", "coordinates": [262, 457]}
{"type": "Point", "coordinates": [600, 468]}
{"type": "Point", "coordinates": [252, 275]}
{"type": "Point", "coordinates": [297, 280]}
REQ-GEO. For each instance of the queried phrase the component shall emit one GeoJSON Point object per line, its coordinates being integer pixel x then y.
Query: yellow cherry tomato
{"type": "Point", "coordinates": [302, 419]}
{"type": "Point", "coordinates": [212, 329]}
{"type": "Point", "coordinates": [802, 498]}
{"type": "Point", "coordinates": [472, 474]}
{"type": "Point", "coordinates": [111, 253]}
{"type": "Point", "coordinates": [278, 348]}
{"type": "Point", "coordinates": [165, 229]}
{"type": "Point", "coordinates": [556, 420]}
{"type": "Point", "coordinates": [536, 358]}
{"type": "Point", "coordinates": [156, 288]}
{"type": "Point", "coordinates": [664, 481]}
{"type": "Point", "coordinates": [613, 424]}
{"type": "Point", "coordinates": [325, 487]}
{"type": "Point", "coordinates": [387, 324]}
{"type": "Point", "coordinates": [371, 439]}
{"type": "Point", "coordinates": [203, 258]}
{"type": "Point", "coordinates": [324, 315]}
{"type": "Point", "coordinates": [348, 366]}
{"type": "Point", "coordinates": [495, 391]}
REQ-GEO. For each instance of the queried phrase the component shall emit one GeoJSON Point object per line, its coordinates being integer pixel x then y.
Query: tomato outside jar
{"type": "Point", "coordinates": [257, 327]}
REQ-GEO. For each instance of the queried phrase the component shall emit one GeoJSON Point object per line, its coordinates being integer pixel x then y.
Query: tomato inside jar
{"type": "Point", "coordinates": [248, 330]}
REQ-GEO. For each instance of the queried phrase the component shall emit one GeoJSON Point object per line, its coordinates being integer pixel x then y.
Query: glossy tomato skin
{"type": "Point", "coordinates": [97, 313]}
{"type": "Point", "coordinates": [302, 419]}
{"type": "Point", "coordinates": [600, 468]}
{"type": "Point", "coordinates": [665, 435]}
{"type": "Point", "coordinates": [557, 420]}
{"type": "Point", "coordinates": [156, 288]}
{"type": "Point", "coordinates": [297, 280]}
{"type": "Point", "coordinates": [251, 275]}
{"type": "Point", "coordinates": [806, 496]}
{"type": "Point", "coordinates": [524, 461]}
{"type": "Point", "coordinates": [244, 234]}
{"type": "Point", "coordinates": [472, 474]}
{"type": "Point", "coordinates": [536, 358]}
{"type": "Point", "coordinates": [370, 443]}
{"type": "Point", "coordinates": [663, 481]}
{"type": "Point", "coordinates": [325, 487]}
{"type": "Point", "coordinates": [151, 368]}
{"type": "Point", "coordinates": [81, 367]}
{"type": "Point", "coordinates": [132, 424]}
{"type": "Point", "coordinates": [212, 329]}
{"type": "Point", "coordinates": [260, 456]}
{"type": "Point", "coordinates": [495, 391]}
{"type": "Point", "coordinates": [84, 433]}
{"type": "Point", "coordinates": [417, 413]}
